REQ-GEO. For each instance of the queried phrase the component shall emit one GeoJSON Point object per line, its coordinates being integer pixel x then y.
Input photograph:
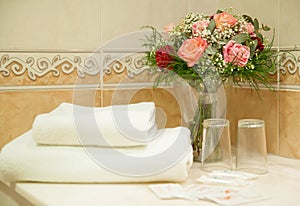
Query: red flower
{"type": "Point", "coordinates": [163, 56]}
{"type": "Point", "coordinates": [260, 45]}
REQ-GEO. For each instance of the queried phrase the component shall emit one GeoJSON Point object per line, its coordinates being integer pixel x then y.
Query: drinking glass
{"type": "Point", "coordinates": [216, 146]}
{"type": "Point", "coordinates": [251, 146]}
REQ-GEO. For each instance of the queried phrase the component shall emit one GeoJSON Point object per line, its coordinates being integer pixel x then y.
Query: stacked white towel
{"type": "Point", "coordinates": [113, 144]}
{"type": "Point", "coordinates": [112, 126]}
{"type": "Point", "coordinates": [166, 158]}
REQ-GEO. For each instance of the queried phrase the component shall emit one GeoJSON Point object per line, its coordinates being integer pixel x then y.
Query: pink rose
{"type": "Point", "coordinates": [191, 50]}
{"type": "Point", "coordinates": [169, 28]}
{"type": "Point", "coordinates": [250, 28]}
{"type": "Point", "coordinates": [199, 26]}
{"type": "Point", "coordinates": [224, 18]}
{"type": "Point", "coordinates": [236, 54]}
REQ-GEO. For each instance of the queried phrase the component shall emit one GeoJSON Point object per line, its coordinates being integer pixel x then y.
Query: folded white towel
{"type": "Point", "coordinates": [112, 126]}
{"type": "Point", "coordinates": [166, 158]}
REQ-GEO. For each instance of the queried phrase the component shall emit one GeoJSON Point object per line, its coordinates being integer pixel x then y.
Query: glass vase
{"type": "Point", "coordinates": [206, 109]}
{"type": "Point", "coordinates": [197, 104]}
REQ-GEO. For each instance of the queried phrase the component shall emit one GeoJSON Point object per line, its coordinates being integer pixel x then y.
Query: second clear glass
{"type": "Point", "coordinates": [251, 148]}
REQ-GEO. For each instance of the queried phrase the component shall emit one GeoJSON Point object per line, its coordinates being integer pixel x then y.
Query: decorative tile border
{"type": "Point", "coordinates": [132, 64]}
{"type": "Point", "coordinates": [28, 70]}
{"type": "Point", "coordinates": [37, 65]}
{"type": "Point", "coordinates": [290, 63]}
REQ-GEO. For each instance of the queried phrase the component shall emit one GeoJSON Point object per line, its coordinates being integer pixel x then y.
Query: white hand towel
{"type": "Point", "coordinates": [166, 158]}
{"type": "Point", "coordinates": [113, 126]}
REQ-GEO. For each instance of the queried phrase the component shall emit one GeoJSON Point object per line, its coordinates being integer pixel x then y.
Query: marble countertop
{"type": "Point", "coordinates": [280, 184]}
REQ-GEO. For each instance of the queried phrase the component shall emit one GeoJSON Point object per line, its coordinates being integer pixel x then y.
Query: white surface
{"type": "Point", "coordinates": [23, 160]}
{"type": "Point", "coordinates": [281, 184]}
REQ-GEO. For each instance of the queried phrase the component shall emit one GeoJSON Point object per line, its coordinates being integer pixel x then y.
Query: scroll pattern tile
{"type": "Point", "coordinates": [40, 68]}
{"type": "Point", "coordinates": [125, 68]}
{"type": "Point", "coordinates": [289, 69]}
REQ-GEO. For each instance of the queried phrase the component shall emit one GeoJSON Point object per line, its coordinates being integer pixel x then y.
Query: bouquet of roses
{"type": "Point", "coordinates": [222, 46]}
{"type": "Point", "coordinates": [230, 43]}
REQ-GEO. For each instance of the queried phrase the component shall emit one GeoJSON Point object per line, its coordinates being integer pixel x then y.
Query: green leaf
{"type": "Point", "coordinates": [248, 18]}
{"type": "Point", "coordinates": [211, 26]}
{"type": "Point", "coordinates": [210, 50]}
{"type": "Point", "coordinates": [219, 11]}
{"type": "Point", "coordinates": [256, 24]}
{"type": "Point", "coordinates": [265, 27]}
{"type": "Point", "coordinates": [253, 46]}
{"type": "Point", "coordinates": [240, 38]}
{"type": "Point", "coordinates": [259, 35]}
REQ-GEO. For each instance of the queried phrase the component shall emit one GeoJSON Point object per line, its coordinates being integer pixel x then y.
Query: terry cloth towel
{"type": "Point", "coordinates": [166, 158]}
{"type": "Point", "coordinates": [113, 126]}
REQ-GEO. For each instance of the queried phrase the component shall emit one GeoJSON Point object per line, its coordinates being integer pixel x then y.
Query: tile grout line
{"type": "Point", "coordinates": [278, 81]}
{"type": "Point", "coordinates": [101, 54]}
{"type": "Point", "coordinates": [285, 88]}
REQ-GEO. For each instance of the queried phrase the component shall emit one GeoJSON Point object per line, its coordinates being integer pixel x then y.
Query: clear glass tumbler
{"type": "Point", "coordinates": [251, 146]}
{"type": "Point", "coordinates": [216, 146]}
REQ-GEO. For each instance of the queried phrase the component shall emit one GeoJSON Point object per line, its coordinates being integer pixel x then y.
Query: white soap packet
{"type": "Point", "coordinates": [216, 180]}
{"type": "Point", "coordinates": [227, 177]}
{"type": "Point", "coordinates": [201, 191]}
{"type": "Point", "coordinates": [170, 191]}
{"type": "Point", "coordinates": [223, 195]}
{"type": "Point", "coordinates": [231, 197]}
{"type": "Point", "coordinates": [165, 191]}
{"type": "Point", "coordinates": [233, 174]}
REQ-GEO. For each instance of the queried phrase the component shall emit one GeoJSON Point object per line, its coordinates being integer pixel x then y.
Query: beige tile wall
{"type": "Point", "coordinates": [289, 123]}
{"type": "Point", "coordinates": [19, 108]}
{"type": "Point", "coordinates": [75, 25]}
{"type": "Point", "coordinates": [50, 24]}
{"type": "Point", "coordinates": [289, 23]}
{"type": "Point", "coordinates": [245, 103]}
{"type": "Point", "coordinates": [204, 6]}
{"type": "Point", "coordinates": [119, 17]}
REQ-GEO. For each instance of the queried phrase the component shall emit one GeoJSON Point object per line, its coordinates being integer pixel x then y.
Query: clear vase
{"type": "Point", "coordinates": [197, 104]}
{"type": "Point", "coordinates": [206, 109]}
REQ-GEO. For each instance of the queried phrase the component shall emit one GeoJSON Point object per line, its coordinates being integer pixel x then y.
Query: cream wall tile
{"type": "Point", "coordinates": [265, 11]}
{"type": "Point", "coordinates": [206, 7]}
{"type": "Point", "coordinates": [121, 17]}
{"type": "Point", "coordinates": [289, 23]}
{"type": "Point", "coordinates": [49, 24]}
